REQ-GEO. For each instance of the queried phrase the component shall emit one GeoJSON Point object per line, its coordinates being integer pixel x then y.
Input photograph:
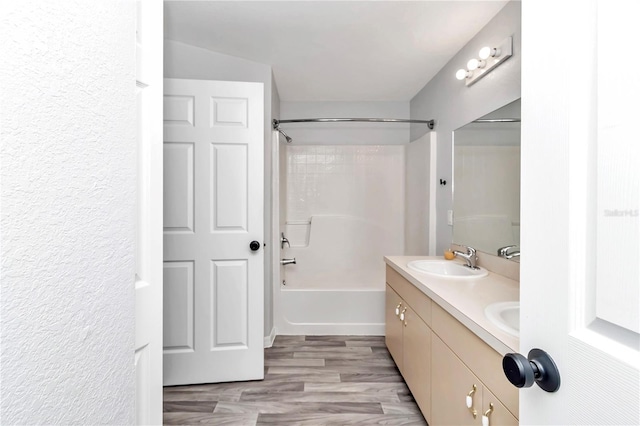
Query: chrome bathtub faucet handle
{"type": "Point", "coordinates": [283, 241]}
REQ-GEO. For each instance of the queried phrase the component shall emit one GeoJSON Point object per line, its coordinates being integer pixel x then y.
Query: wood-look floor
{"type": "Point", "coordinates": [309, 380]}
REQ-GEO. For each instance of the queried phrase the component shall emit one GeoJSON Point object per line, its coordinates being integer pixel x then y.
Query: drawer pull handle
{"type": "Point", "coordinates": [402, 314]}
{"type": "Point", "coordinates": [485, 418]}
{"type": "Point", "coordinates": [470, 401]}
{"type": "Point", "coordinates": [398, 308]}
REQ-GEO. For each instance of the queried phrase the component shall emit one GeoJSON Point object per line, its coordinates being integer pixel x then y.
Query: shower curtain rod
{"type": "Point", "coordinates": [497, 120]}
{"type": "Point", "coordinates": [276, 122]}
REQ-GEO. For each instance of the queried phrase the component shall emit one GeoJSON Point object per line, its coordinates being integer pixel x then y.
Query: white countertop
{"type": "Point", "coordinates": [466, 299]}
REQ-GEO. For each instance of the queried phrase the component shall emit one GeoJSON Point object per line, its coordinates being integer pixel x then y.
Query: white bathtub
{"type": "Point", "coordinates": [331, 312]}
{"type": "Point", "coordinates": [337, 285]}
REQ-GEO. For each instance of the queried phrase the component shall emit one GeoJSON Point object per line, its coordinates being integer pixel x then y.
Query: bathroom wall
{"type": "Point", "coordinates": [452, 104]}
{"type": "Point", "coordinates": [68, 195]}
{"type": "Point", "coordinates": [185, 61]}
{"type": "Point", "coordinates": [419, 190]}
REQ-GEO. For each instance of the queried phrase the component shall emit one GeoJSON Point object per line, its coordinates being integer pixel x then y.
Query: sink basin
{"type": "Point", "coordinates": [446, 269]}
{"type": "Point", "coordinates": [505, 316]}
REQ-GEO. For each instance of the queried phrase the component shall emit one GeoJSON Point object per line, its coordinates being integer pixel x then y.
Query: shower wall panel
{"type": "Point", "coordinates": [344, 212]}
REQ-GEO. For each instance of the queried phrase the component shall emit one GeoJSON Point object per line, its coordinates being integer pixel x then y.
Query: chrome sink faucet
{"type": "Point", "coordinates": [470, 257]}
{"type": "Point", "coordinates": [504, 252]}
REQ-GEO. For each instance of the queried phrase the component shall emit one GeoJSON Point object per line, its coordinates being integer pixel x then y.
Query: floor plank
{"type": "Point", "coordinates": [340, 419]}
{"type": "Point", "coordinates": [271, 407]}
{"type": "Point", "coordinates": [210, 419]}
{"type": "Point", "coordinates": [309, 380]}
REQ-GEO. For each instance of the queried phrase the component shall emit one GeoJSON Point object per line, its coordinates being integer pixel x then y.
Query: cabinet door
{"type": "Point", "coordinates": [393, 326]}
{"type": "Point", "coordinates": [499, 416]}
{"type": "Point", "coordinates": [452, 382]}
{"type": "Point", "coordinates": [417, 360]}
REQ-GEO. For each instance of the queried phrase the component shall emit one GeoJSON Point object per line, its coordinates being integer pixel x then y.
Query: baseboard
{"type": "Point", "coordinates": [373, 329]}
{"type": "Point", "coordinates": [268, 340]}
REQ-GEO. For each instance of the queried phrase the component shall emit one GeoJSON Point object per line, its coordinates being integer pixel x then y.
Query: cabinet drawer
{"type": "Point", "coordinates": [418, 301]}
{"type": "Point", "coordinates": [483, 360]}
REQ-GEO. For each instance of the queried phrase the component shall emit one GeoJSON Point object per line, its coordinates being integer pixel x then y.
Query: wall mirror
{"type": "Point", "coordinates": [486, 183]}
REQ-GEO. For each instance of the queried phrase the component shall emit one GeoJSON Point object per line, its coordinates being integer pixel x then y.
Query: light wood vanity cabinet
{"type": "Point", "coordinates": [393, 326]}
{"type": "Point", "coordinates": [441, 360]}
{"type": "Point", "coordinates": [417, 359]}
{"type": "Point", "coordinates": [452, 382]}
{"type": "Point", "coordinates": [408, 337]}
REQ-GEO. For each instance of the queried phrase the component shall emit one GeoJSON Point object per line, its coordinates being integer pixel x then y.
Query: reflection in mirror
{"type": "Point", "coordinates": [486, 181]}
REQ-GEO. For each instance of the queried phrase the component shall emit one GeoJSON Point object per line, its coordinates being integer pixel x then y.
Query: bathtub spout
{"type": "Point", "coordinates": [288, 261]}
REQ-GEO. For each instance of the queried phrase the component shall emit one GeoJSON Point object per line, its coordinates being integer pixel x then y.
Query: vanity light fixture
{"type": "Point", "coordinates": [490, 57]}
{"type": "Point", "coordinates": [462, 74]}
{"type": "Point", "coordinates": [474, 64]}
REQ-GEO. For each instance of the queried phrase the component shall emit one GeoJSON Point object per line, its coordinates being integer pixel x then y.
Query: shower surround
{"type": "Point", "coordinates": [344, 212]}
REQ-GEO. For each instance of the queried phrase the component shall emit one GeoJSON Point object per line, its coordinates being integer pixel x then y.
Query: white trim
{"type": "Point", "coordinates": [275, 235]}
{"type": "Point", "coordinates": [322, 329]}
{"type": "Point", "coordinates": [433, 172]}
{"type": "Point", "coordinates": [268, 340]}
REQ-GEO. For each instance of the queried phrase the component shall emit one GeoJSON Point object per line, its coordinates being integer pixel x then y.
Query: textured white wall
{"type": "Point", "coordinates": [68, 210]}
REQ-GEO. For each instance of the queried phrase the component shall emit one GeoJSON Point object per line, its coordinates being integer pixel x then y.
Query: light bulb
{"type": "Point", "coordinates": [487, 52]}
{"type": "Point", "coordinates": [472, 64]}
{"type": "Point", "coordinates": [461, 74]}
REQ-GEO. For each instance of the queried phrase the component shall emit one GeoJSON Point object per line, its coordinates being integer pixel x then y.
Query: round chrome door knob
{"type": "Point", "coordinates": [538, 368]}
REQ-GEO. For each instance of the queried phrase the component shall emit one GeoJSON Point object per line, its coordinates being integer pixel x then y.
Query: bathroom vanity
{"type": "Point", "coordinates": [448, 351]}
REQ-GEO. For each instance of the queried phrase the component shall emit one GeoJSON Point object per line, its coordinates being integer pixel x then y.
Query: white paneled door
{"type": "Point", "coordinates": [580, 281]}
{"type": "Point", "coordinates": [213, 231]}
{"type": "Point", "coordinates": [148, 280]}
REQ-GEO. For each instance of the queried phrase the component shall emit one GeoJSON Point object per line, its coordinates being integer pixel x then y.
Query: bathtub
{"type": "Point", "coordinates": [331, 312]}
{"type": "Point", "coordinates": [337, 285]}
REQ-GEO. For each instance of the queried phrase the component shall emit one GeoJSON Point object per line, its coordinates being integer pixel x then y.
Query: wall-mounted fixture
{"type": "Point", "coordinates": [287, 137]}
{"type": "Point", "coordinates": [489, 58]}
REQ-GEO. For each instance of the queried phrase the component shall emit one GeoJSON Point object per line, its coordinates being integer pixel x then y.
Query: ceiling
{"type": "Point", "coordinates": [335, 50]}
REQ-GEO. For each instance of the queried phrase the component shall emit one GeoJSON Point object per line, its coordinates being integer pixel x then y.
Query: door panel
{"type": "Point", "coordinates": [178, 307]}
{"type": "Point", "coordinates": [229, 303]}
{"type": "Point", "coordinates": [179, 178]}
{"type": "Point", "coordinates": [178, 110]}
{"type": "Point", "coordinates": [580, 193]}
{"type": "Point", "coordinates": [229, 188]}
{"type": "Point", "coordinates": [214, 162]}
